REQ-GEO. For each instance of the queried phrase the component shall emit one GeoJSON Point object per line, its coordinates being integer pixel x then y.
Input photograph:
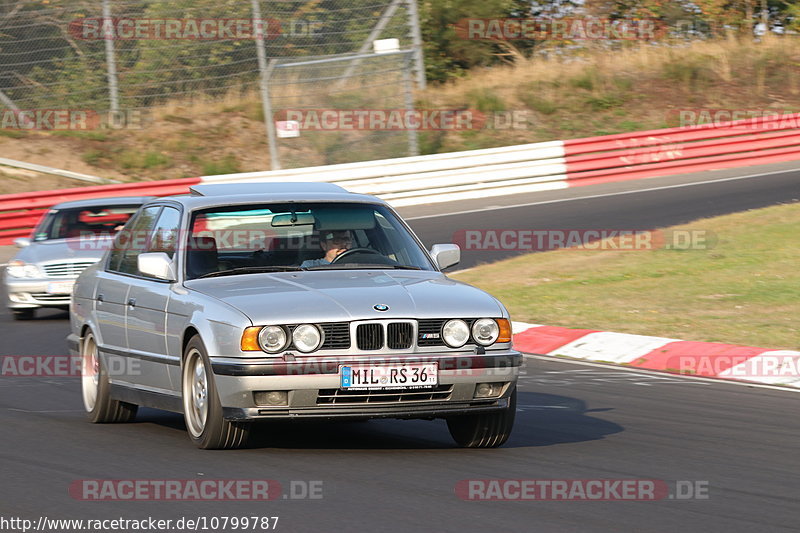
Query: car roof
{"type": "Point", "coordinates": [207, 196]}
{"type": "Point", "coordinates": [238, 188]}
{"type": "Point", "coordinates": [104, 202]}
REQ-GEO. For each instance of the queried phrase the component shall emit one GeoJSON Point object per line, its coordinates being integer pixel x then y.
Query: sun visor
{"type": "Point", "coordinates": [343, 219]}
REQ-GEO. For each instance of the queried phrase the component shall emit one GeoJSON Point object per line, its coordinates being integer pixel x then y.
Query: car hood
{"type": "Point", "coordinates": [78, 249]}
{"type": "Point", "coordinates": [337, 296]}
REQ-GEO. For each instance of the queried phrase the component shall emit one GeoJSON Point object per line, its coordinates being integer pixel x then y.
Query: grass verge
{"type": "Point", "coordinates": [745, 289]}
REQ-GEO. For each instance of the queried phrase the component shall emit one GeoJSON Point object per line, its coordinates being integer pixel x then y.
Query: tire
{"type": "Point", "coordinates": [201, 406]}
{"type": "Point", "coordinates": [95, 388]}
{"type": "Point", "coordinates": [484, 430]}
{"type": "Point", "coordinates": [23, 314]}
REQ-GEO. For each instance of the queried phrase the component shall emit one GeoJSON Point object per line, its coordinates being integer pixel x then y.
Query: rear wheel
{"type": "Point", "coordinates": [23, 314]}
{"type": "Point", "coordinates": [484, 430]}
{"type": "Point", "coordinates": [96, 388]}
{"type": "Point", "coordinates": [201, 406]}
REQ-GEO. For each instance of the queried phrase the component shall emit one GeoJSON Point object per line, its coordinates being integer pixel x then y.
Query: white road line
{"type": "Point", "coordinates": [677, 186]}
{"type": "Point", "coordinates": [656, 372]}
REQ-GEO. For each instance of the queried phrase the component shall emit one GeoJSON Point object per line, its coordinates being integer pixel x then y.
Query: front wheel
{"type": "Point", "coordinates": [201, 406]}
{"type": "Point", "coordinates": [484, 430]}
{"type": "Point", "coordinates": [97, 401]}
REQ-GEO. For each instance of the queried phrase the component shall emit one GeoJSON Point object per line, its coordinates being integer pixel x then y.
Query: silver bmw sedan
{"type": "Point", "coordinates": [70, 237]}
{"type": "Point", "coordinates": [246, 302]}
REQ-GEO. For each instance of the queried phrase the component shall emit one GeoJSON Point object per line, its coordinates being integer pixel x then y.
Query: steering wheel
{"type": "Point", "coordinates": [353, 251]}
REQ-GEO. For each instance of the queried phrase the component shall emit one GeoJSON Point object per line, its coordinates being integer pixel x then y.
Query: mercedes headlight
{"type": "Point", "coordinates": [307, 337]}
{"type": "Point", "coordinates": [485, 331]}
{"type": "Point", "coordinates": [21, 269]}
{"type": "Point", "coordinates": [272, 339]}
{"type": "Point", "coordinates": [455, 333]}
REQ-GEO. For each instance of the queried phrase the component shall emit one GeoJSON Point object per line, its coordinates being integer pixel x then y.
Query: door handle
{"type": "Point", "coordinates": [99, 298]}
{"type": "Point", "coordinates": [132, 302]}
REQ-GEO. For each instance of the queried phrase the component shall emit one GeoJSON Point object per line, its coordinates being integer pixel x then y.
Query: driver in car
{"type": "Point", "coordinates": [333, 243]}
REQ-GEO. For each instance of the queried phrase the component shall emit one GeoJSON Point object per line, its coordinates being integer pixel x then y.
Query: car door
{"type": "Point", "coordinates": [146, 305]}
{"type": "Point", "coordinates": [111, 293]}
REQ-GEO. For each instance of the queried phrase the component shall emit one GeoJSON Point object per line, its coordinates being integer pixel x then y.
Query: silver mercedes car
{"type": "Point", "coordinates": [70, 237]}
{"type": "Point", "coordinates": [248, 302]}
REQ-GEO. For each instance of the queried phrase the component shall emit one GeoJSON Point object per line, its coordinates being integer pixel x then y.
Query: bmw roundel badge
{"type": "Point", "coordinates": [380, 307]}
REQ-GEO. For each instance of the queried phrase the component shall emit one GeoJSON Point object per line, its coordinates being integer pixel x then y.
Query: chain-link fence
{"type": "Point", "coordinates": [324, 98]}
{"type": "Point", "coordinates": [116, 56]}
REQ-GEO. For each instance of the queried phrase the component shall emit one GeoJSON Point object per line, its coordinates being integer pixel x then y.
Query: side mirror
{"type": "Point", "coordinates": [446, 255]}
{"type": "Point", "coordinates": [157, 265]}
{"type": "Point", "coordinates": [22, 242]}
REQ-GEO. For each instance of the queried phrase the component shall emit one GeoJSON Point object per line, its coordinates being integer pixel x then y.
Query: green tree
{"type": "Point", "coordinates": [448, 51]}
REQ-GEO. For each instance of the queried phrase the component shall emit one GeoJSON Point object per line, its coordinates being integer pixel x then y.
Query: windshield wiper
{"type": "Point", "coordinates": [249, 270]}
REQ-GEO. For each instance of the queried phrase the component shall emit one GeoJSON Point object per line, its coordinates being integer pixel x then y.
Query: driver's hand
{"type": "Point", "coordinates": [333, 253]}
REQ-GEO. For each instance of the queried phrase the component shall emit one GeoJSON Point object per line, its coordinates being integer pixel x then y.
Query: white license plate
{"type": "Point", "coordinates": [400, 376]}
{"type": "Point", "coordinates": [60, 287]}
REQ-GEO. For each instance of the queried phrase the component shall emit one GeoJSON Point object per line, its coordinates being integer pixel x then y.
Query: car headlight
{"type": "Point", "coordinates": [272, 339]}
{"type": "Point", "coordinates": [307, 337]}
{"type": "Point", "coordinates": [455, 333]}
{"type": "Point", "coordinates": [21, 269]}
{"type": "Point", "coordinates": [485, 331]}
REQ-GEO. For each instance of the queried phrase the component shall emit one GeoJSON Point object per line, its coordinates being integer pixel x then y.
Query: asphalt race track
{"type": "Point", "coordinates": [574, 421]}
{"type": "Point", "coordinates": [614, 206]}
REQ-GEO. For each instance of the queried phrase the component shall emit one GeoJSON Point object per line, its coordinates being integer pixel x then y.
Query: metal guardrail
{"type": "Point", "coordinates": [54, 171]}
{"type": "Point", "coordinates": [19, 213]}
{"type": "Point", "coordinates": [413, 180]}
{"type": "Point", "coordinates": [490, 172]}
{"type": "Point", "coordinates": [662, 152]}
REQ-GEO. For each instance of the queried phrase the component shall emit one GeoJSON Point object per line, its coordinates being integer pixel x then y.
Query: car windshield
{"type": "Point", "coordinates": [96, 221]}
{"type": "Point", "coordinates": [299, 236]}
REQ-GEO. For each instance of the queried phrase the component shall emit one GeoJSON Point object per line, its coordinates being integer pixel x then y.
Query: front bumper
{"type": "Point", "coordinates": [441, 410]}
{"type": "Point", "coordinates": [313, 387]}
{"type": "Point", "coordinates": [24, 293]}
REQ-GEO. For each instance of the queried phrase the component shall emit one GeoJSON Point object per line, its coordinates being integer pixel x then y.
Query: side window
{"type": "Point", "coordinates": [132, 241]}
{"type": "Point", "coordinates": [165, 235]}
